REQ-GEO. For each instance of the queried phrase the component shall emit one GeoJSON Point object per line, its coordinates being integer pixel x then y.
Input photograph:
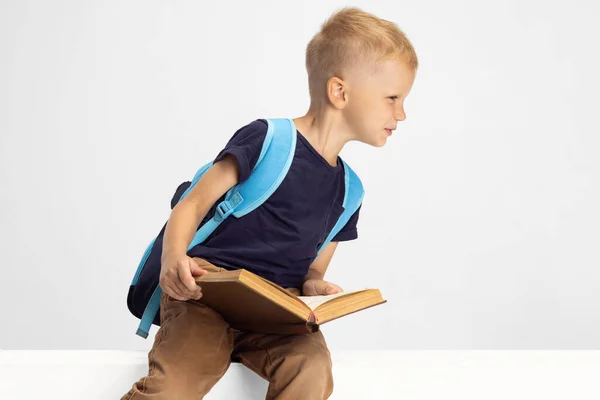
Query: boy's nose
{"type": "Point", "coordinates": [400, 116]}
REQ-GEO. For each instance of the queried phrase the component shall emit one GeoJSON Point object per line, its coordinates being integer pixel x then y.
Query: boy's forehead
{"type": "Point", "coordinates": [388, 75]}
{"type": "Point", "coordinates": [398, 75]}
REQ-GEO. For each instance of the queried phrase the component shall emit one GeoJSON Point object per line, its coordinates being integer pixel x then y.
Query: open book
{"type": "Point", "coordinates": [248, 302]}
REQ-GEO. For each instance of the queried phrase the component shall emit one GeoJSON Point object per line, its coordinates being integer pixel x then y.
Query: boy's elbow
{"type": "Point", "coordinates": [190, 209]}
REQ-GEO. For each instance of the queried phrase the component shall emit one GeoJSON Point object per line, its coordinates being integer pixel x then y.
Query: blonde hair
{"type": "Point", "coordinates": [351, 38]}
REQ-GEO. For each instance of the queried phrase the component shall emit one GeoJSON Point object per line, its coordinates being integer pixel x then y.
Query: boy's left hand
{"type": "Point", "coordinates": [319, 287]}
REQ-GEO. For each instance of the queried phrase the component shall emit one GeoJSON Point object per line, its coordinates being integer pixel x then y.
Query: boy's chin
{"type": "Point", "coordinates": [374, 141]}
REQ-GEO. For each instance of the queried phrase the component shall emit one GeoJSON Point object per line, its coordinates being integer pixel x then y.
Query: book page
{"type": "Point", "coordinates": [315, 301]}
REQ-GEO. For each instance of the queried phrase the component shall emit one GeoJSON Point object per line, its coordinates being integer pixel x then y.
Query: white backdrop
{"type": "Point", "coordinates": [480, 224]}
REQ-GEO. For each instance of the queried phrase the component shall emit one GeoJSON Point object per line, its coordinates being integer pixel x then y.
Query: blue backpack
{"type": "Point", "coordinates": [143, 299]}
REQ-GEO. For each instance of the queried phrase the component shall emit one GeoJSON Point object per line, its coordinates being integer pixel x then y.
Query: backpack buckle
{"type": "Point", "coordinates": [226, 207]}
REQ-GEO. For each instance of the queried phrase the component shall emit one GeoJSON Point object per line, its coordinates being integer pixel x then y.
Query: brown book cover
{"type": "Point", "coordinates": [248, 302]}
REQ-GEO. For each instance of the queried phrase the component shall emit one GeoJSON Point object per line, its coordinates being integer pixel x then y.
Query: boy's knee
{"type": "Point", "coordinates": [316, 372]}
{"type": "Point", "coordinates": [181, 387]}
{"type": "Point", "coordinates": [311, 364]}
{"type": "Point", "coordinates": [320, 364]}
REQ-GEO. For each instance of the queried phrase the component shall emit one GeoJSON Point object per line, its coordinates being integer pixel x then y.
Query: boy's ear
{"type": "Point", "coordinates": [336, 93]}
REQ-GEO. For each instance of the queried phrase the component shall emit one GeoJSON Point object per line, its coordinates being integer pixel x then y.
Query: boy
{"type": "Point", "coordinates": [360, 70]}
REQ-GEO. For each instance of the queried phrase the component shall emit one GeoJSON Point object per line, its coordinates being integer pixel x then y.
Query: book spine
{"type": "Point", "coordinates": [312, 318]}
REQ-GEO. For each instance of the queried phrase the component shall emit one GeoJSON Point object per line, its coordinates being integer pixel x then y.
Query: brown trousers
{"type": "Point", "coordinates": [194, 346]}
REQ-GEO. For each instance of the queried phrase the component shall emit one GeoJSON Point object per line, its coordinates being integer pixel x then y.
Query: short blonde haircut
{"type": "Point", "coordinates": [351, 38]}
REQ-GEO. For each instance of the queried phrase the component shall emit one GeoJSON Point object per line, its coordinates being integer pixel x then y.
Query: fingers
{"type": "Point", "coordinates": [173, 284]}
{"type": "Point", "coordinates": [331, 289]}
{"type": "Point", "coordinates": [202, 264]}
{"type": "Point", "coordinates": [177, 278]}
{"type": "Point", "coordinates": [167, 288]}
{"type": "Point", "coordinates": [324, 288]}
{"type": "Point", "coordinates": [180, 292]}
{"type": "Point", "coordinates": [172, 293]}
{"type": "Point", "coordinates": [187, 284]}
{"type": "Point", "coordinates": [180, 287]}
{"type": "Point", "coordinates": [196, 270]}
{"type": "Point", "coordinates": [186, 278]}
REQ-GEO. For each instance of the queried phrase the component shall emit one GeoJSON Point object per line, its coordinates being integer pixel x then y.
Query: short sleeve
{"type": "Point", "coordinates": [245, 145]}
{"type": "Point", "coordinates": [349, 231]}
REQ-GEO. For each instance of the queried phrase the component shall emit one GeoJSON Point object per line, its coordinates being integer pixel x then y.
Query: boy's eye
{"type": "Point", "coordinates": [393, 97]}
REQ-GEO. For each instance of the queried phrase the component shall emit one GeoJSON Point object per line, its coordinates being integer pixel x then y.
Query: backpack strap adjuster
{"type": "Point", "coordinates": [227, 207]}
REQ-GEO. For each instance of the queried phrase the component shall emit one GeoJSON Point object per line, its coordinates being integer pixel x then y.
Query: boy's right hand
{"type": "Point", "coordinates": [177, 277]}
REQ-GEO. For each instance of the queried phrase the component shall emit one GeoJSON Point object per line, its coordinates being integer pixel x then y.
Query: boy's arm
{"type": "Point", "coordinates": [314, 285]}
{"type": "Point", "coordinates": [189, 212]}
{"type": "Point", "coordinates": [177, 269]}
{"type": "Point", "coordinates": [319, 265]}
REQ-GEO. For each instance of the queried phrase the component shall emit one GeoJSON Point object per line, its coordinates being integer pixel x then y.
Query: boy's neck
{"type": "Point", "coordinates": [324, 133]}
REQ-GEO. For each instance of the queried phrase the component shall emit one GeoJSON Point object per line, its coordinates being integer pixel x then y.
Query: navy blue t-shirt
{"type": "Point", "coordinates": [280, 239]}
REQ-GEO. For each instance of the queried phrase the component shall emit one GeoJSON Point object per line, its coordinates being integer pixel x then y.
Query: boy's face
{"type": "Point", "coordinates": [375, 100]}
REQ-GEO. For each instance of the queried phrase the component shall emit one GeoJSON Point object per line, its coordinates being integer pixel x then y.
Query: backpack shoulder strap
{"type": "Point", "coordinates": [268, 174]}
{"type": "Point", "coordinates": [272, 166]}
{"type": "Point", "coordinates": [265, 146]}
{"type": "Point", "coordinates": [353, 197]}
